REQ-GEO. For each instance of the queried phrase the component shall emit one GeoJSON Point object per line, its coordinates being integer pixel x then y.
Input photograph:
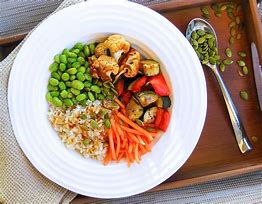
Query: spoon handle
{"type": "Point", "coordinates": [240, 134]}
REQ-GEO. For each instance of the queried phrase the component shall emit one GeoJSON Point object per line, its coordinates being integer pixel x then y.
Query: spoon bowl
{"type": "Point", "coordinates": [240, 134]}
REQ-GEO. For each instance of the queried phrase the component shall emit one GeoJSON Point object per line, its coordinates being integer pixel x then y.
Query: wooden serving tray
{"type": "Point", "coordinates": [217, 155]}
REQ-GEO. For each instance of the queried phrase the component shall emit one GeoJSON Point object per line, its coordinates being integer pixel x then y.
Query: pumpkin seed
{"type": "Point", "coordinates": [242, 54]}
{"type": "Point", "coordinates": [205, 61]}
{"type": "Point", "coordinates": [215, 6]}
{"type": "Point", "coordinates": [193, 42]}
{"type": "Point", "coordinates": [212, 60]}
{"type": "Point", "coordinates": [201, 40]}
{"type": "Point", "coordinates": [222, 67]}
{"type": "Point", "coordinates": [229, 10]}
{"type": "Point", "coordinates": [241, 63]}
{"type": "Point", "coordinates": [244, 95]}
{"type": "Point", "coordinates": [233, 31]}
{"type": "Point", "coordinates": [245, 70]}
{"type": "Point", "coordinates": [231, 40]}
{"type": "Point", "coordinates": [231, 16]}
{"type": "Point", "coordinates": [207, 16]}
{"type": "Point", "coordinates": [194, 35]}
{"type": "Point", "coordinates": [238, 20]}
{"type": "Point", "coordinates": [228, 61]}
{"type": "Point", "coordinates": [254, 139]}
{"type": "Point", "coordinates": [239, 8]}
{"type": "Point", "coordinates": [240, 73]}
{"type": "Point", "coordinates": [223, 7]}
{"type": "Point", "coordinates": [205, 10]}
{"type": "Point", "coordinates": [232, 24]}
{"type": "Point", "coordinates": [228, 52]}
{"type": "Point", "coordinates": [238, 36]}
{"type": "Point", "coordinates": [218, 13]}
{"type": "Point", "coordinates": [208, 36]}
{"type": "Point", "coordinates": [201, 32]}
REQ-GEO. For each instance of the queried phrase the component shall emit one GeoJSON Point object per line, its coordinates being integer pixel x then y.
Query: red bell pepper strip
{"type": "Point", "coordinates": [159, 85]}
{"type": "Point", "coordinates": [120, 87]}
{"type": "Point", "coordinates": [159, 116]}
{"type": "Point", "coordinates": [126, 97]}
{"type": "Point", "coordinates": [138, 84]}
{"type": "Point", "coordinates": [165, 121]}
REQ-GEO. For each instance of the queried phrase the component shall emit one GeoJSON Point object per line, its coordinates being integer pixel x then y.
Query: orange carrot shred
{"type": "Point", "coordinates": [132, 137]}
{"type": "Point", "coordinates": [134, 125]}
{"type": "Point", "coordinates": [111, 144]}
{"type": "Point", "coordinates": [136, 154]}
{"type": "Point", "coordinates": [134, 131]}
{"type": "Point", "coordinates": [119, 103]}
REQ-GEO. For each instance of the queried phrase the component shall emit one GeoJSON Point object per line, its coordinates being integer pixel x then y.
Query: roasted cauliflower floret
{"type": "Point", "coordinates": [103, 67]}
{"type": "Point", "coordinates": [101, 49]}
{"type": "Point", "coordinates": [117, 46]}
{"type": "Point", "coordinates": [130, 64]}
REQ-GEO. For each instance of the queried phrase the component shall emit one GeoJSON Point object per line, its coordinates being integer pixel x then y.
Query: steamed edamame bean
{"type": "Point", "coordinates": [62, 67]}
{"type": "Point", "coordinates": [53, 81]}
{"type": "Point", "coordinates": [81, 97]}
{"type": "Point", "coordinates": [63, 59]}
{"type": "Point", "coordinates": [79, 46]}
{"type": "Point", "coordinates": [64, 94]}
{"type": "Point", "coordinates": [68, 102]}
{"type": "Point", "coordinates": [78, 84]}
{"type": "Point", "coordinates": [72, 71]}
{"type": "Point", "coordinates": [54, 93]}
{"type": "Point", "coordinates": [57, 102]}
{"type": "Point", "coordinates": [80, 76]}
{"type": "Point", "coordinates": [49, 97]}
{"type": "Point", "coordinates": [86, 50]}
{"type": "Point", "coordinates": [92, 48]}
{"type": "Point", "coordinates": [62, 85]}
{"type": "Point", "coordinates": [53, 67]}
{"type": "Point", "coordinates": [91, 96]}
{"type": "Point", "coordinates": [65, 76]}
{"type": "Point", "coordinates": [96, 89]}
{"type": "Point", "coordinates": [55, 75]}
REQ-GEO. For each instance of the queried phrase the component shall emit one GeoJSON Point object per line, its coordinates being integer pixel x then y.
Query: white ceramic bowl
{"type": "Point", "coordinates": [158, 39]}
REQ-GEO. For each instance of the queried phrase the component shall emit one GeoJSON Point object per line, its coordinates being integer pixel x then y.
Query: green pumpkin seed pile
{"type": "Point", "coordinates": [204, 44]}
{"type": "Point", "coordinates": [236, 27]}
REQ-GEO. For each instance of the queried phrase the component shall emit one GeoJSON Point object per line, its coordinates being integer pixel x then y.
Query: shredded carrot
{"type": "Point", "coordinates": [117, 145]}
{"type": "Point", "coordinates": [132, 137]}
{"type": "Point", "coordinates": [130, 148]}
{"type": "Point", "coordinates": [119, 103]}
{"type": "Point", "coordinates": [134, 125]}
{"type": "Point", "coordinates": [107, 158]}
{"type": "Point", "coordinates": [136, 154]}
{"type": "Point", "coordinates": [120, 156]}
{"type": "Point", "coordinates": [111, 144]}
{"type": "Point", "coordinates": [141, 141]}
{"type": "Point", "coordinates": [134, 131]}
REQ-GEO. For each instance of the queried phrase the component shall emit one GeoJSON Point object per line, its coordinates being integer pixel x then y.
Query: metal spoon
{"type": "Point", "coordinates": [240, 134]}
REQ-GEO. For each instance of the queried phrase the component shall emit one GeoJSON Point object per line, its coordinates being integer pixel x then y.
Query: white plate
{"type": "Point", "coordinates": [87, 22]}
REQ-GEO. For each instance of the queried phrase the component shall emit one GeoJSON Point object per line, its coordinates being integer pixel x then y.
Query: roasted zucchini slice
{"type": "Point", "coordinates": [146, 98]}
{"type": "Point", "coordinates": [150, 115]}
{"type": "Point", "coordinates": [134, 110]}
{"type": "Point", "coordinates": [150, 67]}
